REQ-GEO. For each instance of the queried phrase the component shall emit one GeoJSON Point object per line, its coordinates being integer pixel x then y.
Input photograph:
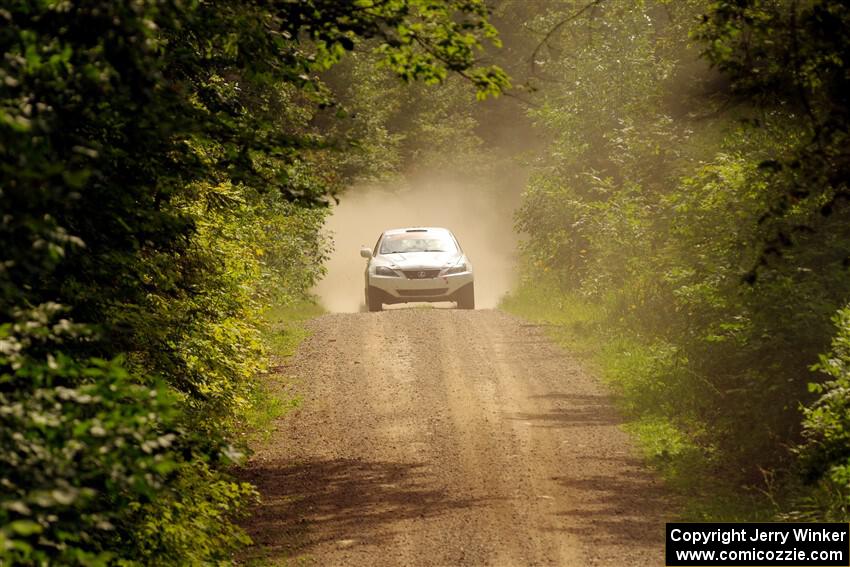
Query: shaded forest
{"type": "Point", "coordinates": [166, 173]}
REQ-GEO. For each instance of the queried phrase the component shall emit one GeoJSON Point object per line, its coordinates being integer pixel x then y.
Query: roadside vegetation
{"type": "Point", "coordinates": [282, 329]}
{"type": "Point", "coordinates": [687, 229]}
{"type": "Point", "coordinates": [165, 173]}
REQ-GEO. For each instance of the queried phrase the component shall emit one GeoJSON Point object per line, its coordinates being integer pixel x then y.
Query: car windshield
{"type": "Point", "coordinates": [417, 242]}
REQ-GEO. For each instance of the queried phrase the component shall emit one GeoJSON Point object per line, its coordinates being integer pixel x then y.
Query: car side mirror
{"type": "Point", "coordinates": [366, 252]}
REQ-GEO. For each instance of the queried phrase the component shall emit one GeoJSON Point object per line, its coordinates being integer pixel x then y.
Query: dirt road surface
{"type": "Point", "coordinates": [435, 437]}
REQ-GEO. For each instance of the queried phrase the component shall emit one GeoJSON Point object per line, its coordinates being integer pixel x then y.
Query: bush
{"type": "Point", "coordinates": [85, 446]}
{"type": "Point", "coordinates": [164, 176]}
{"type": "Point", "coordinates": [825, 454]}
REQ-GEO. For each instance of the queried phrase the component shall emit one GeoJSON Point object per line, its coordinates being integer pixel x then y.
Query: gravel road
{"type": "Point", "coordinates": [436, 437]}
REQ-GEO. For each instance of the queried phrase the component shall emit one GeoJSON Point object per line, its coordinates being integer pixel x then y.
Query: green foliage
{"type": "Point", "coordinates": [715, 240]}
{"type": "Point", "coordinates": [574, 320]}
{"type": "Point", "coordinates": [825, 453]}
{"type": "Point", "coordinates": [650, 381]}
{"type": "Point", "coordinates": [404, 130]}
{"type": "Point", "coordinates": [283, 329]}
{"type": "Point", "coordinates": [198, 497]}
{"type": "Point", "coordinates": [163, 176]}
{"type": "Point", "coordinates": [285, 325]}
{"type": "Point", "coordinates": [791, 58]}
{"type": "Point", "coordinates": [90, 455]}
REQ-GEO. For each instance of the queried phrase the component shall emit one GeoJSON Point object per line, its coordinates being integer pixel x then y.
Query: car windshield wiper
{"type": "Point", "coordinates": [435, 250]}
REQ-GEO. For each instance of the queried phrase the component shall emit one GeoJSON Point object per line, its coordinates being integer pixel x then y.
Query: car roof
{"type": "Point", "coordinates": [415, 229]}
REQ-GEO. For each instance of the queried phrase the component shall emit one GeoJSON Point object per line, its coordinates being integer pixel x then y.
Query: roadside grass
{"type": "Point", "coordinates": [569, 322]}
{"type": "Point", "coordinates": [272, 398]}
{"type": "Point", "coordinates": [285, 326]}
{"type": "Point", "coordinates": [284, 330]}
{"type": "Point", "coordinates": [644, 378]}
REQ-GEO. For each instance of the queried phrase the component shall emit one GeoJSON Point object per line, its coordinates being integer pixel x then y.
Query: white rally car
{"type": "Point", "coordinates": [418, 264]}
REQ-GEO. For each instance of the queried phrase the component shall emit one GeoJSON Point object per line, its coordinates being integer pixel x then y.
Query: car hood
{"type": "Point", "coordinates": [415, 260]}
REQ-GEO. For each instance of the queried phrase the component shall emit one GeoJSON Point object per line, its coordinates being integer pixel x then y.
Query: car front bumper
{"type": "Point", "coordinates": [404, 290]}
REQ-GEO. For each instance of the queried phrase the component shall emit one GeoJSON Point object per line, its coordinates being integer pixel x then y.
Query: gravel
{"type": "Point", "coordinates": [436, 437]}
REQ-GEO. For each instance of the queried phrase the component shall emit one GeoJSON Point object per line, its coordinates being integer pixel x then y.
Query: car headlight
{"type": "Point", "coordinates": [459, 269]}
{"type": "Point", "coordinates": [385, 271]}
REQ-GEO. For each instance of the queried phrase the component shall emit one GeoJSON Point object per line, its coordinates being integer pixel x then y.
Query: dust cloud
{"type": "Point", "coordinates": [480, 215]}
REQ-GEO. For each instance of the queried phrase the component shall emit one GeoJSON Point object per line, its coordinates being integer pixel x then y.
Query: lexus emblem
{"type": "Point", "coordinates": [421, 274]}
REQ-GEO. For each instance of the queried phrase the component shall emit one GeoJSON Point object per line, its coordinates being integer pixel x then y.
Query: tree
{"type": "Point", "coordinates": [125, 128]}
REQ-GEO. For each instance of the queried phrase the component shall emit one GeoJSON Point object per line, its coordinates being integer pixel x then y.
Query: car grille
{"type": "Point", "coordinates": [421, 274]}
{"type": "Point", "coordinates": [422, 292]}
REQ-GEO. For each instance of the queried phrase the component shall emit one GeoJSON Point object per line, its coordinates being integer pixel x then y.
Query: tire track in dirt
{"type": "Point", "coordinates": [434, 437]}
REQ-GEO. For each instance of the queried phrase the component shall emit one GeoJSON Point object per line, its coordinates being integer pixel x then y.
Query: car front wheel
{"type": "Point", "coordinates": [373, 300]}
{"type": "Point", "coordinates": [466, 298]}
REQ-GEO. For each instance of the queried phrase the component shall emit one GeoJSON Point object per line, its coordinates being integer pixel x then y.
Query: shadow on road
{"type": "Point", "coordinates": [613, 493]}
{"type": "Point", "coordinates": [341, 501]}
{"type": "Point", "coordinates": [614, 507]}
{"type": "Point", "coordinates": [573, 410]}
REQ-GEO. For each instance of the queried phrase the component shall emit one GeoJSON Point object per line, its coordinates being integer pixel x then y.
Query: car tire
{"type": "Point", "coordinates": [373, 301]}
{"type": "Point", "coordinates": [466, 297]}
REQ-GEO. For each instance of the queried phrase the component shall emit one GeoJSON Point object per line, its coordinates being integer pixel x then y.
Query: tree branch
{"type": "Point", "coordinates": [558, 26]}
